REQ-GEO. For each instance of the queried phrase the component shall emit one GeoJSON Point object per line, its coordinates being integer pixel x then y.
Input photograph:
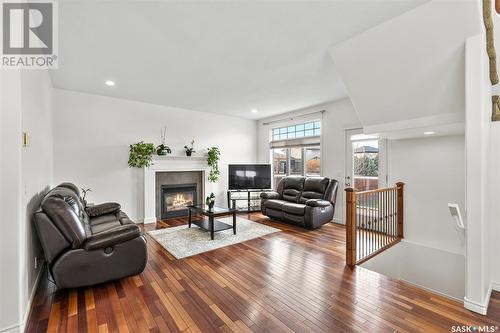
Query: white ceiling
{"type": "Point", "coordinates": [225, 57]}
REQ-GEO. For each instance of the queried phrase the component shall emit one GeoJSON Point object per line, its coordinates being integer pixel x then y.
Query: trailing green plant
{"type": "Point", "coordinates": [213, 163]}
{"type": "Point", "coordinates": [141, 154]}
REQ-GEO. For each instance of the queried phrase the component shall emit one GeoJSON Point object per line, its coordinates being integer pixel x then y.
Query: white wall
{"type": "Point", "coordinates": [10, 199]}
{"type": "Point", "coordinates": [427, 267]}
{"type": "Point", "coordinates": [26, 173]}
{"type": "Point", "coordinates": [434, 172]}
{"type": "Point", "coordinates": [494, 177]}
{"type": "Point", "coordinates": [338, 116]}
{"type": "Point", "coordinates": [478, 159]}
{"type": "Point", "coordinates": [36, 103]}
{"type": "Point", "coordinates": [92, 135]}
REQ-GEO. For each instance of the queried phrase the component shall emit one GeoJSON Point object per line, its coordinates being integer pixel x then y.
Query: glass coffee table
{"type": "Point", "coordinates": [211, 224]}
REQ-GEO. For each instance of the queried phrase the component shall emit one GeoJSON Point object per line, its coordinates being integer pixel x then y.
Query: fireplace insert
{"type": "Point", "coordinates": [176, 198]}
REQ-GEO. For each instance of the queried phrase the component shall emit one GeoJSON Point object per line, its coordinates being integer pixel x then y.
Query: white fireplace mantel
{"type": "Point", "coordinates": [165, 164]}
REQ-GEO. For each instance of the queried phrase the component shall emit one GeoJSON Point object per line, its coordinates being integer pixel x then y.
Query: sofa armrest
{"type": "Point", "coordinates": [318, 203]}
{"type": "Point", "coordinates": [112, 237]}
{"type": "Point", "coordinates": [269, 195]}
{"type": "Point", "coordinates": [102, 209]}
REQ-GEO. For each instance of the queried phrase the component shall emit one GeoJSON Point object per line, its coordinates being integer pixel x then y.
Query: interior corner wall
{"type": "Point", "coordinates": [92, 135]}
{"type": "Point", "coordinates": [37, 110]}
{"type": "Point", "coordinates": [25, 174]}
{"type": "Point", "coordinates": [434, 172]}
{"type": "Point", "coordinates": [478, 158]}
{"type": "Point", "coordinates": [338, 116]}
{"type": "Point", "coordinates": [10, 200]}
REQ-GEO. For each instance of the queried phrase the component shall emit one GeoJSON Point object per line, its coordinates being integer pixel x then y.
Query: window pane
{"type": "Point", "coordinates": [291, 135]}
{"type": "Point", "coordinates": [309, 133]}
{"type": "Point", "coordinates": [317, 124]}
{"type": "Point", "coordinates": [299, 127]}
{"type": "Point", "coordinates": [313, 161]}
{"type": "Point", "coordinates": [365, 164]}
{"type": "Point", "coordinates": [291, 129]}
{"type": "Point", "coordinates": [279, 161]}
{"type": "Point", "coordinates": [276, 137]}
{"type": "Point", "coordinates": [309, 126]}
{"type": "Point", "coordinates": [317, 131]}
{"type": "Point", "coordinates": [283, 130]}
{"type": "Point", "coordinates": [296, 163]}
{"type": "Point", "coordinates": [299, 134]}
{"type": "Point", "coordinates": [276, 131]}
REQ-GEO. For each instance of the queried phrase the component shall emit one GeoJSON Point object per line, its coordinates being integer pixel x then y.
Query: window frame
{"type": "Point", "coordinates": [284, 132]}
{"type": "Point", "coordinates": [288, 162]}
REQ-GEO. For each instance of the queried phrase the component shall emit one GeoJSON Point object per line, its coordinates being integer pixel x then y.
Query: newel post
{"type": "Point", "coordinates": [400, 214]}
{"type": "Point", "coordinates": [350, 227]}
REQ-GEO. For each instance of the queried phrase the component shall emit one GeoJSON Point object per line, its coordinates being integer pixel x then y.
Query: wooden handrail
{"type": "Point", "coordinates": [374, 221]}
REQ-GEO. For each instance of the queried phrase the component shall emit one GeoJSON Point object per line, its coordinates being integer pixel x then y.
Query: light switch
{"type": "Point", "coordinates": [26, 139]}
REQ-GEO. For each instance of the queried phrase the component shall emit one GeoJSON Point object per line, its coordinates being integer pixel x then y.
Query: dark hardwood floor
{"type": "Point", "coordinates": [294, 280]}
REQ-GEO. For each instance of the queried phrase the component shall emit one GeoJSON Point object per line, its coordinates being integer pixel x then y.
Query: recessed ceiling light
{"type": "Point", "coordinates": [110, 83]}
{"type": "Point", "coordinates": [254, 111]}
{"type": "Point", "coordinates": [429, 133]}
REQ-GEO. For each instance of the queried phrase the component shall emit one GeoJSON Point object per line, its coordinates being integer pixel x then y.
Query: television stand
{"type": "Point", "coordinates": [249, 200]}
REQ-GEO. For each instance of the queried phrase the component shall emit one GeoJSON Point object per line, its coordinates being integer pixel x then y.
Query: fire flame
{"type": "Point", "coordinates": [181, 201]}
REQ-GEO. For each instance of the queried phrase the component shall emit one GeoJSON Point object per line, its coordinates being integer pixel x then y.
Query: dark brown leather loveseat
{"type": "Point", "coordinates": [305, 201]}
{"type": "Point", "coordinates": [86, 246]}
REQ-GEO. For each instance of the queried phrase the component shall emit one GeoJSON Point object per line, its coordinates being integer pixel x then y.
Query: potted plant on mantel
{"type": "Point", "coordinates": [141, 154]}
{"type": "Point", "coordinates": [190, 150]}
{"type": "Point", "coordinates": [213, 174]}
{"type": "Point", "coordinates": [163, 149]}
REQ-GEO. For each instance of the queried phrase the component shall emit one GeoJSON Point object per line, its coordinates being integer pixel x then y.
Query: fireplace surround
{"type": "Point", "coordinates": [171, 165]}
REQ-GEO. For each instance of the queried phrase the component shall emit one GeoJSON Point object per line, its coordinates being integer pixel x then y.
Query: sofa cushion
{"type": "Point", "coordinates": [71, 197]}
{"type": "Point", "coordinates": [274, 204]}
{"type": "Point", "coordinates": [65, 219]}
{"type": "Point", "coordinates": [103, 219]}
{"type": "Point", "coordinates": [102, 209]}
{"type": "Point", "coordinates": [123, 218]}
{"type": "Point", "coordinates": [314, 188]}
{"type": "Point", "coordinates": [269, 195]}
{"type": "Point", "coordinates": [105, 226]}
{"type": "Point", "coordinates": [318, 203]}
{"type": "Point", "coordinates": [294, 208]}
{"type": "Point", "coordinates": [292, 188]}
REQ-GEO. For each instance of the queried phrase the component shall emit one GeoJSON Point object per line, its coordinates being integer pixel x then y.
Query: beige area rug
{"type": "Point", "coordinates": [183, 242]}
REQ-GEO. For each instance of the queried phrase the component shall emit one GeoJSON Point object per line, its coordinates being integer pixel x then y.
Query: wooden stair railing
{"type": "Point", "coordinates": [374, 222]}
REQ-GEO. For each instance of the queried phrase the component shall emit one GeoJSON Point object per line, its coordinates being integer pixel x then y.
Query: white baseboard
{"type": "Point", "coordinates": [495, 286]}
{"type": "Point", "coordinates": [22, 325]}
{"type": "Point", "coordinates": [337, 220]}
{"type": "Point", "coordinates": [11, 329]}
{"type": "Point", "coordinates": [32, 297]}
{"type": "Point", "coordinates": [478, 307]}
{"type": "Point", "coordinates": [149, 220]}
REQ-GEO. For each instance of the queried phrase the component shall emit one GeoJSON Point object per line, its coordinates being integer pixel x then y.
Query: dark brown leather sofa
{"type": "Point", "coordinates": [304, 201]}
{"type": "Point", "coordinates": [86, 246]}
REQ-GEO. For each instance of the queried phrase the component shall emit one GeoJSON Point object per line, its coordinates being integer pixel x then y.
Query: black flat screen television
{"type": "Point", "coordinates": [249, 176]}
